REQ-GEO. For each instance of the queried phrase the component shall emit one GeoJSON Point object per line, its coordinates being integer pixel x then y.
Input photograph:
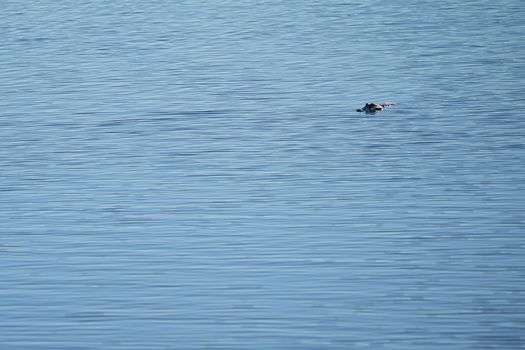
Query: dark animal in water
{"type": "Point", "coordinates": [374, 107]}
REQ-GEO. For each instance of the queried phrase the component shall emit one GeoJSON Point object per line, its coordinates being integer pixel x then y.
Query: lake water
{"type": "Point", "coordinates": [194, 175]}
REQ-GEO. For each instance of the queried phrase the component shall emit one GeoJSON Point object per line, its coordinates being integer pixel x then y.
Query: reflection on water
{"type": "Point", "coordinates": [195, 176]}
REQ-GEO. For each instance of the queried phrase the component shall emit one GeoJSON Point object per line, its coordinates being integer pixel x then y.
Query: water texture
{"type": "Point", "coordinates": [193, 175]}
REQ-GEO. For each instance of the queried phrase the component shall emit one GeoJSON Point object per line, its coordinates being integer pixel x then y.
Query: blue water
{"type": "Point", "coordinates": [193, 175]}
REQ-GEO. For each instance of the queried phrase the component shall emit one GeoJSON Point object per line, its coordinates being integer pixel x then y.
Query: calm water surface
{"type": "Point", "coordinates": [193, 175]}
